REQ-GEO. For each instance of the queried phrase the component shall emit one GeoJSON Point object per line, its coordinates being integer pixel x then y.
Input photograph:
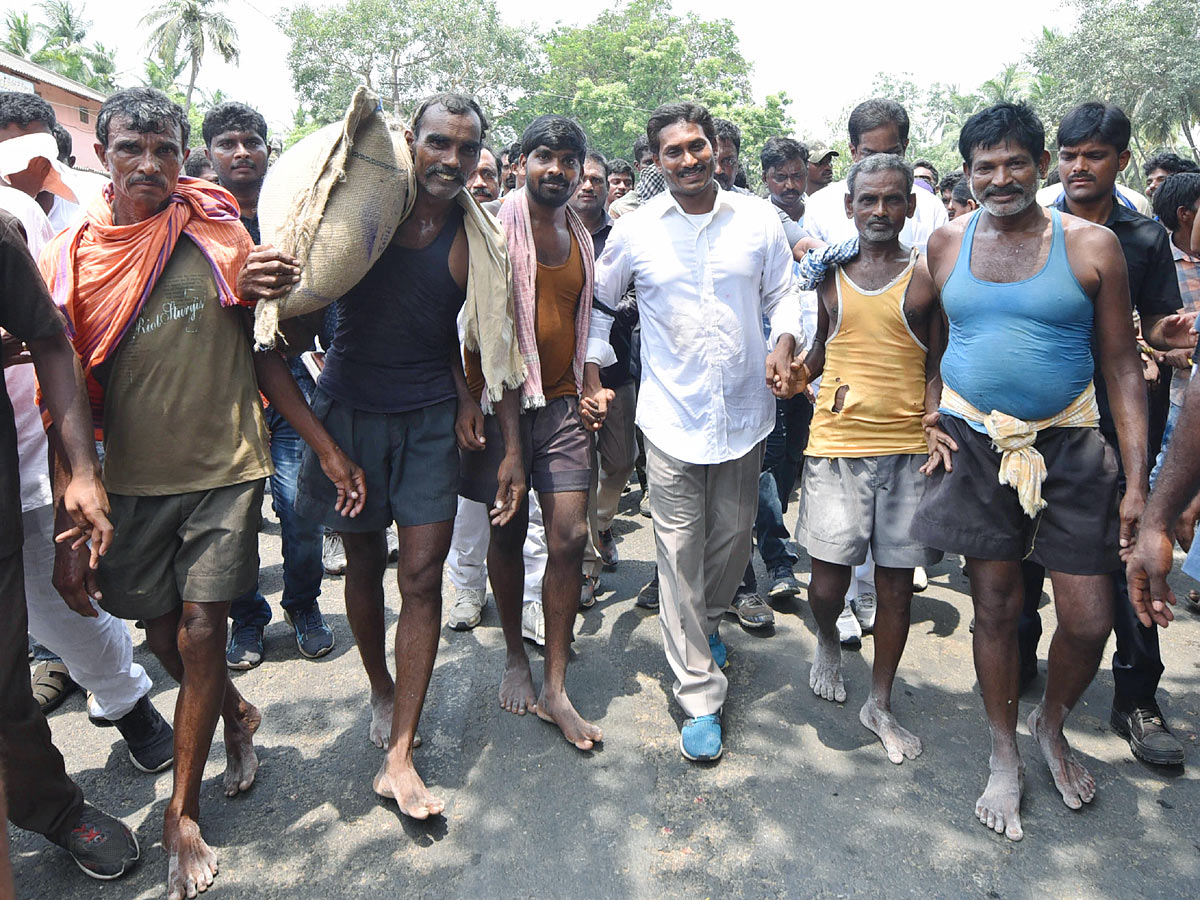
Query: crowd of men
{"type": "Point", "coordinates": [942, 365]}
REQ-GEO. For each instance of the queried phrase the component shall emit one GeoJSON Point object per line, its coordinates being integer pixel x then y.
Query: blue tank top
{"type": "Point", "coordinates": [1025, 347]}
{"type": "Point", "coordinates": [397, 333]}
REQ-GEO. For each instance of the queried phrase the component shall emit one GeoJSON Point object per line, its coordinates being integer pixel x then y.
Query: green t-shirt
{"type": "Point", "coordinates": [182, 410]}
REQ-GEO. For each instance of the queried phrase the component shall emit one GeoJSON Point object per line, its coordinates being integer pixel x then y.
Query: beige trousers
{"type": "Point", "coordinates": [702, 520]}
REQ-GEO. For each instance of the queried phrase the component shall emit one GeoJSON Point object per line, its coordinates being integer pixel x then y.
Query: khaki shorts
{"type": "Point", "coordinates": [199, 547]}
{"type": "Point", "coordinates": [556, 449]}
{"type": "Point", "coordinates": [848, 505]}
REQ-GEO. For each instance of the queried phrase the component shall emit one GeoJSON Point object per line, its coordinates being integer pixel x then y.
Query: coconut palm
{"type": "Point", "coordinates": [193, 27]}
{"type": "Point", "coordinates": [65, 26]}
{"type": "Point", "coordinates": [19, 39]}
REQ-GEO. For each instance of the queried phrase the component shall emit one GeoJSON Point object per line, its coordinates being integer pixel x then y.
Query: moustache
{"type": "Point", "coordinates": [147, 179]}
{"type": "Point", "coordinates": [553, 182]}
{"type": "Point", "coordinates": [456, 174]}
{"type": "Point", "coordinates": [690, 170]}
{"type": "Point", "coordinates": [1004, 192]}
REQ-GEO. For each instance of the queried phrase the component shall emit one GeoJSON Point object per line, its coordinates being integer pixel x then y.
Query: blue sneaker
{"type": "Point", "coordinates": [313, 637]}
{"type": "Point", "coordinates": [700, 738]}
{"type": "Point", "coordinates": [719, 653]}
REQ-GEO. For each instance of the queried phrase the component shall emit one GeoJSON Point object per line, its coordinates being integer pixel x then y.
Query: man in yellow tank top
{"type": "Point", "coordinates": [878, 314]}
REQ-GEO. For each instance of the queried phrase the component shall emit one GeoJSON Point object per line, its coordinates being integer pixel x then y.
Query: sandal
{"type": "Point", "coordinates": [51, 684]}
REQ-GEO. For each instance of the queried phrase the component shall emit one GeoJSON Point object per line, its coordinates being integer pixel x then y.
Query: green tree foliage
{"type": "Point", "coordinates": [404, 51]}
{"type": "Point", "coordinates": [194, 27]}
{"type": "Point", "coordinates": [20, 34]}
{"type": "Point", "coordinates": [611, 73]}
{"type": "Point", "coordinates": [1149, 55]}
{"type": "Point", "coordinates": [62, 33]}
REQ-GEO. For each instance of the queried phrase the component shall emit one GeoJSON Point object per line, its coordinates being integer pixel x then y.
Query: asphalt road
{"type": "Point", "coordinates": [803, 804]}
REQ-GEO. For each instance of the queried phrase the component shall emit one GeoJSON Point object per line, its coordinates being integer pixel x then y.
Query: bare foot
{"type": "Point", "coordinates": [381, 718]}
{"type": "Point", "coordinates": [999, 808]}
{"type": "Point", "coordinates": [398, 780]}
{"type": "Point", "coordinates": [191, 864]}
{"type": "Point", "coordinates": [1070, 777]}
{"type": "Point", "coordinates": [516, 687]}
{"type": "Point", "coordinates": [241, 762]}
{"type": "Point", "coordinates": [825, 676]}
{"type": "Point", "coordinates": [899, 743]}
{"type": "Point", "coordinates": [557, 710]}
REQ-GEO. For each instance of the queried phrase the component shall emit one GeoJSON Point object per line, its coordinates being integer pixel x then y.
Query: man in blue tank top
{"type": "Point", "coordinates": [1019, 468]}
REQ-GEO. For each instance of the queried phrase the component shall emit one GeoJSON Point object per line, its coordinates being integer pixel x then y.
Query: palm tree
{"type": "Point", "coordinates": [191, 25]}
{"type": "Point", "coordinates": [19, 39]}
{"type": "Point", "coordinates": [1011, 85]}
{"type": "Point", "coordinates": [65, 26]}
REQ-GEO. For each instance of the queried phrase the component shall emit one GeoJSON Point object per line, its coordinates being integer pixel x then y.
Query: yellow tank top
{"type": "Point", "coordinates": [872, 393]}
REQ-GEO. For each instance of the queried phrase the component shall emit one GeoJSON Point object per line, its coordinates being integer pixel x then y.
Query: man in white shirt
{"type": "Point", "coordinates": [706, 265]}
{"type": "Point", "coordinates": [876, 126]}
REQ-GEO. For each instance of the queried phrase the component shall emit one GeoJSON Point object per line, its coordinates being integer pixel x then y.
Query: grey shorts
{"type": "Point", "coordinates": [199, 547]}
{"type": "Point", "coordinates": [409, 460]}
{"type": "Point", "coordinates": [848, 505]}
{"type": "Point", "coordinates": [556, 448]}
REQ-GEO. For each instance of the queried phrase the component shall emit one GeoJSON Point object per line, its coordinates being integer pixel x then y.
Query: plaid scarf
{"type": "Point", "coordinates": [815, 264]}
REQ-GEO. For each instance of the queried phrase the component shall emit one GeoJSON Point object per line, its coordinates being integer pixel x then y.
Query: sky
{"type": "Point", "coordinates": [822, 54]}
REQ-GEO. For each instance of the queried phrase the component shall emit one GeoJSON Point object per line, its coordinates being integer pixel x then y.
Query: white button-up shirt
{"type": "Point", "coordinates": [825, 217]}
{"type": "Point", "coordinates": [703, 284]}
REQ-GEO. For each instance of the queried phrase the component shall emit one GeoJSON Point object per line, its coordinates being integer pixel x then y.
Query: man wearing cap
{"type": "Point", "coordinates": [820, 166]}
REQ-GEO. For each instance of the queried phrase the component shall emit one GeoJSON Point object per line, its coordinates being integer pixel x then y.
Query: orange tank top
{"type": "Point", "coordinates": [872, 394]}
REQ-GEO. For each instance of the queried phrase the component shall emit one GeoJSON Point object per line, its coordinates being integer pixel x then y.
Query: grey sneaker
{"type": "Point", "coordinates": [533, 622]}
{"type": "Point", "coordinates": [864, 606]}
{"type": "Point", "coordinates": [751, 610]}
{"type": "Point", "coordinates": [644, 504]}
{"type": "Point", "coordinates": [333, 554]}
{"type": "Point", "coordinates": [102, 846]}
{"type": "Point", "coordinates": [849, 631]}
{"type": "Point", "coordinates": [467, 609]}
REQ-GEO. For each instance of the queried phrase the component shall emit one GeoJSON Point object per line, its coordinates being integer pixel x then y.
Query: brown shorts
{"type": "Point", "coordinates": [969, 511]}
{"type": "Point", "coordinates": [554, 445]}
{"type": "Point", "coordinates": [199, 547]}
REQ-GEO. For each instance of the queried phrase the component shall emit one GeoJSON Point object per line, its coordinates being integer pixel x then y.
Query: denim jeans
{"type": "Point", "coordinates": [783, 453]}
{"type": "Point", "coordinates": [302, 570]}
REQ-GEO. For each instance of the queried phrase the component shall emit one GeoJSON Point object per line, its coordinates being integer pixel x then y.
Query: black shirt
{"type": "Point", "coordinates": [1153, 283]}
{"type": "Point", "coordinates": [27, 312]}
{"type": "Point", "coordinates": [621, 335]}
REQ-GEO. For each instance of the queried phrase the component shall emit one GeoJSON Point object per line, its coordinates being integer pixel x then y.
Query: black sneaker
{"type": "Point", "coordinates": [608, 549]}
{"type": "Point", "coordinates": [148, 736]}
{"type": "Point", "coordinates": [647, 597]}
{"type": "Point", "coordinates": [245, 650]}
{"type": "Point", "coordinates": [313, 637]}
{"type": "Point", "coordinates": [102, 846]}
{"type": "Point", "coordinates": [1149, 737]}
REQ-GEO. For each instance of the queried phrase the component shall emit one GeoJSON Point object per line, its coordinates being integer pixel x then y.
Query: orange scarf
{"type": "Point", "coordinates": [101, 274]}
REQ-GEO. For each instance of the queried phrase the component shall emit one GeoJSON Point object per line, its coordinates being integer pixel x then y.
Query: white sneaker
{"type": "Point", "coordinates": [533, 622]}
{"type": "Point", "coordinates": [393, 544]}
{"type": "Point", "coordinates": [849, 631]}
{"type": "Point", "coordinates": [467, 609]}
{"type": "Point", "coordinates": [864, 606]}
{"type": "Point", "coordinates": [333, 554]}
{"type": "Point", "coordinates": [920, 579]}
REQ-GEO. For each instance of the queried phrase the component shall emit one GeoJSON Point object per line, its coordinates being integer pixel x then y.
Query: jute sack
{"type": "Point", "coordinates": [333, 201]}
